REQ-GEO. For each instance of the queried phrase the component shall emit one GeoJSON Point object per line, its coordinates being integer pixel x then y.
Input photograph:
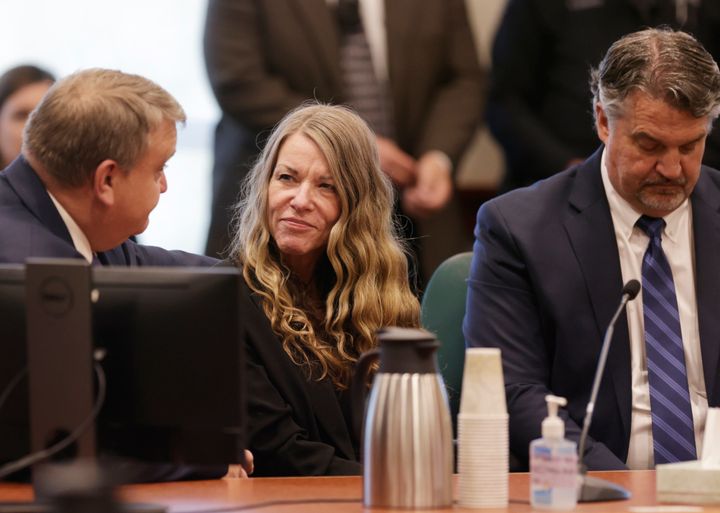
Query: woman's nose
{"type": "Point", "coordinates": [302, 198]}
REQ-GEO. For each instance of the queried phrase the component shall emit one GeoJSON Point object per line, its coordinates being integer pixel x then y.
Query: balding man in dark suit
{"type": "Point", "coordinates": [90, 173]}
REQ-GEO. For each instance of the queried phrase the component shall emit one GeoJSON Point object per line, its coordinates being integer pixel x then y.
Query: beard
{"type": "Point", "coordinates": [661, 194]}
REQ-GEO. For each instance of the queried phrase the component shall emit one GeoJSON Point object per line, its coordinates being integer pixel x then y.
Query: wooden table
{"type": "Point", "coordinates": [346, 492]}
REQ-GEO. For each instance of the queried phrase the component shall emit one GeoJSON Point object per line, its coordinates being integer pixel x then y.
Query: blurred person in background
{"type": "Point", "coordinates": [538, 106]}
{"type": "Point", "coordinates": [21, 89]}
{"type": "Point", "coordinates": [408, 67]}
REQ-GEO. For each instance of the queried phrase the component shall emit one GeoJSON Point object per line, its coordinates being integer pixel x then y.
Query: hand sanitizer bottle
{"type": "Point", "coordinates": [553, 463]}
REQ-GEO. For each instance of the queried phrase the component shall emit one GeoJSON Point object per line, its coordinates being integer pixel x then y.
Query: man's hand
{"type": "Point", "coordinates": [395, 163]}
{"type": "Point", "coordinates": [432, 188]}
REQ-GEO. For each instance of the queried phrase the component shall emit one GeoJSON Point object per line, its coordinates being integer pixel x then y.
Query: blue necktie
{"type": "Point", "coordinates": [672, 422]}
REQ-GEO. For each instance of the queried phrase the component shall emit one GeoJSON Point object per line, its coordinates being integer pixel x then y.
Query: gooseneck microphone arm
{"type": "Point", "coordinates": [590, 491]}
{"type": "Point", "coordinates": [629, 291]}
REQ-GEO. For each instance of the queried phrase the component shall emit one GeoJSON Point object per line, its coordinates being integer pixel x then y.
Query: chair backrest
{"type": "Point", "coordinates": [443, 309]}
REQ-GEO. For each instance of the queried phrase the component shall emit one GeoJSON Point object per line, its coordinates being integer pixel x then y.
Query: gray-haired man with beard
{"type": "Point", "coordinates": [550, 262]}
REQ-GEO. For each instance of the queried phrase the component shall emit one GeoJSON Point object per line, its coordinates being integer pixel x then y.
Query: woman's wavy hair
{"type": "Point", "coordinates": [366, 264]}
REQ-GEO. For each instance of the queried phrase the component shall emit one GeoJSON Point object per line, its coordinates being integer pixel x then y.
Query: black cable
{"type": "Point", "coordinates": [35, 457]}
{"type": "Point", "coordinates": [11, 386]}
{"type": "Point", "coordinates": [267, 504]}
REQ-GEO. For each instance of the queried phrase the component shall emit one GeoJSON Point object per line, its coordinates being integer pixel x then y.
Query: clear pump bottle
{"type": "Point", "coordinates": [553, 463]}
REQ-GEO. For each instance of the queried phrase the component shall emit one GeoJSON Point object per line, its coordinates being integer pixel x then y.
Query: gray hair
{"type": "Point", "coordinates": [668, 65]}
{"type": "Point", "coordinates": [94, 115]}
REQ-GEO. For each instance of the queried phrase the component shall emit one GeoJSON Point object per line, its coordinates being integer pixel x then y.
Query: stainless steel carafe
{"type": "Point", "coordinates": [407, 434]}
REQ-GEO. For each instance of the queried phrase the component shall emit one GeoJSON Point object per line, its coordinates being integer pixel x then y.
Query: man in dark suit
{"type": "Point", "coordinates": [266, 58]}
{"type": "Point", "coordinates": [550, 262]}
{"type": "Point", "coordinates": [90, 173]}
{"type": "Point", "coordinates": [32, 226]}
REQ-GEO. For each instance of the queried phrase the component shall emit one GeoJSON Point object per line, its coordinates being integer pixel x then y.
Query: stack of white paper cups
{"type": "Point", "coordinates": [483, 432]}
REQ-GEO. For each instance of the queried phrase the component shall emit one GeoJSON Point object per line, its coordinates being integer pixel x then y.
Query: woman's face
{"type": "Point", "coordinates": [303, 204]}
{"type": "Point", "coordinates": [14, 114]}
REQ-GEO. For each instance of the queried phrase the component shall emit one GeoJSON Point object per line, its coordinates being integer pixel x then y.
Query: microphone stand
{"type": "Point", "coordinates": [593, 489]}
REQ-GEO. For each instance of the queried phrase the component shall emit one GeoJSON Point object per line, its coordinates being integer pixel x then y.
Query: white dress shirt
{"type": "Point", "coordinates": [677, 243]}
{"type": "Point", "coordinates": [372, 13]}
{"type": "Point", "coordinates": [80, 241]}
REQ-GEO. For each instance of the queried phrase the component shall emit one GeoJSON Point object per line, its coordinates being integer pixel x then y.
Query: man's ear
{"type": "Point", "coordinates": [104, 181]}
{"type": "Point", "coordinates": [602, 124]}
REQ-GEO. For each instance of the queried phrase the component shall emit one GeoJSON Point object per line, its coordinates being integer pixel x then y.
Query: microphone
{"type": "Point", "coordinates": [593, 489]}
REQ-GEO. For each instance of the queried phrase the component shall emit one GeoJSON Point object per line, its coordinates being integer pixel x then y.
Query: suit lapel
{"type": "Point", "coordinates": [322, 33]}
{"type": "Point", "coordinates": [590, 231]}
{"type": "Point", "coordinates": [706, 233]}
{"type": "Point", "coordinates": [32, 192]}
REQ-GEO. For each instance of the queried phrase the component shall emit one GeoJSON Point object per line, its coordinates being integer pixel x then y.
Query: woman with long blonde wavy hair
{"type": "Point", "coordinates": [318, 247]}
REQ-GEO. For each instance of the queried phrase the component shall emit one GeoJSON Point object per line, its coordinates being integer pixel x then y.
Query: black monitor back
{"type": "Point", "coordinates": [174, 363]}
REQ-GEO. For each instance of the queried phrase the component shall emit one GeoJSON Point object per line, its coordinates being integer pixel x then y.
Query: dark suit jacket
{"type": "Point", "coordinates": [544, 283]}
{"type": "Point", "coordinates": [296, 425]}
{"type": "Point", "coordinates": [266, 57]}
{"type": "Point", "coordinates": [30, 226]}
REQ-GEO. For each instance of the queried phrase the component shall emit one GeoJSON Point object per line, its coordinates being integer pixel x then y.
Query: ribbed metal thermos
{"type": "Point", "coordinates": [407, 435]}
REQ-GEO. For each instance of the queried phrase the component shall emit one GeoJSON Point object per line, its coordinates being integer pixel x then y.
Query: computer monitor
{"type": "Point", "coordinates": [174, 356]}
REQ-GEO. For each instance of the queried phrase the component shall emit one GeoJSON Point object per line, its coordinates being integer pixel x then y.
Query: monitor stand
{"type": "Point", "coordinates": [60, 365]}
{"type": "Point", "coordinates": [59, 354]}
{"type": "Point", "coordinates": [78, 487]}
{"type": "Point", "coordinates": [84, 504]}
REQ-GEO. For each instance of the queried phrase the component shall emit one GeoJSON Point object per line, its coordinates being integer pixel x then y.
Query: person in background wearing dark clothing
{"type": "Point", "coordinates": [538, 107]}
{"type": "Point", "coordinates": [408, 67]}
{"type": "Point", "coordinates": [318, 247]}
{"type": "Point", "coordinates": [21, 89]}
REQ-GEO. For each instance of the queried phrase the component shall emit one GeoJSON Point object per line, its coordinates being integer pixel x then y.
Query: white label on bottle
{"type": "Point", "coordinates": [549, 474]}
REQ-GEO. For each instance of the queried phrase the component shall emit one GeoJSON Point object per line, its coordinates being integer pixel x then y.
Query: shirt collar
{"type": "Point", "coordinates": [80, 241]}
{"type": "Point", "coordinates": [625, 216]}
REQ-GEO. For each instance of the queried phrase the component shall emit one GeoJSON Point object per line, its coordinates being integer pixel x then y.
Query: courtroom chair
{"type": "Point", "coordinates": [443, 309]}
